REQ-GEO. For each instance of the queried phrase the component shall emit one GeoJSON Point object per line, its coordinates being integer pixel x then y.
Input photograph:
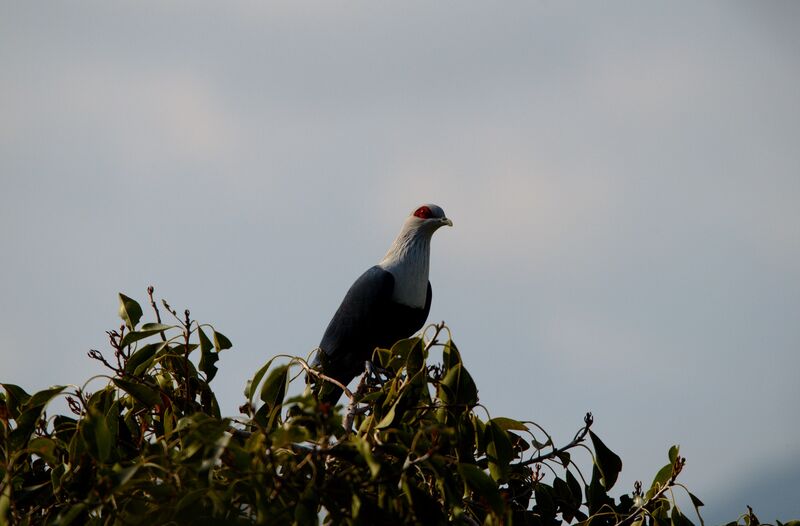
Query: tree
{"type": "Point", "coordinates": [412, 444]}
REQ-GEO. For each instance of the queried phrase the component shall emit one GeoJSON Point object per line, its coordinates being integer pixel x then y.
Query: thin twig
{"type": "Point", "coordinates": [310, 370]}
{"type": "Point", "coordinates": [580, 436]}
{"type": "Point", "coordinates": [187, 323]}
{"type": "Point", "coordinates": [350, 414]}
{"type": "Point", "coordinates": [150, 291]}
{"type": "Point", "coordinates": [438, 326]}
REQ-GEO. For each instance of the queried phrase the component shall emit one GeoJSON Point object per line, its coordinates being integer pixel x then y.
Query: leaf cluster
{"type": "Point", "coordinates": [411, 444]}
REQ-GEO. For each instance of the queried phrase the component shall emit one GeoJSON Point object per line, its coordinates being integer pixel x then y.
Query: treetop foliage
{"type": "Point", "coordinates": [412, 444]}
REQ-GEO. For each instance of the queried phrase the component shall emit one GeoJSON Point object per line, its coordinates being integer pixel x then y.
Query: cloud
{"type": "Point", "coordinates": [113, 110]}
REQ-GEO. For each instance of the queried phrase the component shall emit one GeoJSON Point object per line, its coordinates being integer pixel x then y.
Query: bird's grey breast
{"type": "Point", "coordinates": [410, 283]}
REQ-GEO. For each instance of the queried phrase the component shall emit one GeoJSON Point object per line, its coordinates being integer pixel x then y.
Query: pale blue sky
{"type": "Point", "coordinates": [624, 179]}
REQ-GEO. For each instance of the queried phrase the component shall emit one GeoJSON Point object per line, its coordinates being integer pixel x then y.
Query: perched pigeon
{"type": "Point", "coordinates": [389, 302]}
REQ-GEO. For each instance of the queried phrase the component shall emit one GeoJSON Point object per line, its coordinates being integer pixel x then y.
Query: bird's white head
{"type": "Point", "coordinates": [408, 258]}
{"type": "Point", "coordinates": [428, 217]}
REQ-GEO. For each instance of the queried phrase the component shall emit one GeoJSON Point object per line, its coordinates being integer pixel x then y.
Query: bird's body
{"type": "Point", "coordinates": [389, 302]}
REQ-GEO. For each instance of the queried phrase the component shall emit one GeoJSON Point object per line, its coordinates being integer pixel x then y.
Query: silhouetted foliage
{"type": "Point", "coordinates": [412, 444]}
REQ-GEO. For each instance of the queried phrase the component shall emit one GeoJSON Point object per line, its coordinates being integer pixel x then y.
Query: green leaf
{"type": "Point", "coordinates": [450, 356]}
{"type": "Point", "coordinates": [482, 484]}
{"type": "Point", "coordinates": [596, 494]}
{"type": "Point", "coordinates": [574, 486]}
{"type": "Point", "coordinates": [129, 311]}
{"type": "Point", "coordinates": [390, 415]}
{"type": "Point", "coordinates": [207, 356]}
{"type": "Point", "coordinates": [673, 453]}
{"type": "Point", "coordinates": [71, 514]}
{"type": "Point", "coordinates": [42, 398]}
{"type": "Point", "coordinates": [498, 451]}
{"type": "Point", "coordinates": [5, 503]}
{"type": "Point", "coordinates": [123, 475]}
{"type": "Point", "coordinates": [305, 512]}
{"type": "Point", "coordinates": [147, 330]}
{"type": "Point", "coordinates": [31, 411]}
{"type": "Point", "coordinates": [416, 357]}
{"type": "Point", "coordinates": [15, 398]}
{"type": "Point", "coordinates": [274, 391]}
{"type": "Point", "coordinates": [45, 448]}
{"type": "Point", "coordinates": [607, 462]}
{"type": "Point", "coordinates": [679, 519]}
{"type": "Point", "coordinates": [697, 503]}
{"type": "Point", "coordinates": [102, 437]}
{"type": "Point", "coordinates": [289, 434]}
{"type": "Point", "coordinates": [662, 477]}
{"type": "Point", "coordinates": [221, 342]}
{"type": "Point", "coordinates": [252, 385]}
{"type": "Point", "coordinates": [509, 423]}
{"type": "Point", "coordinates": [460, 386]}
{"type": "Point", "coordinates": [144, 355]}
{"type": "Point", "coordinates": [205, 343]}
{"type": "Point", "coordinates": [366, 451]}
{"type": "Point", "coordinates": [143, 393]}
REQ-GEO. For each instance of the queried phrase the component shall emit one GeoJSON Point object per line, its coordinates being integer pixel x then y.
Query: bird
{"type": "Point", "coordinates": [388, 302]}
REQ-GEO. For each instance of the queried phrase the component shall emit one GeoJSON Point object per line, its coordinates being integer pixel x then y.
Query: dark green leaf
{"type": "Point", "coordinates": [509, 423]}
{"type": "Point", "coordinates": [450, 356]}
{"type": "Point", "coordinates": [68, 515]}
{"type": "Point", "coordinates": [129, 311]}
{"type": "Point", "coordinates": [574, 485]}
{"type": "Point", "coordinates": [252, 385]}
{"type": "Point", "coordinates": [679, 519]}
{"type": "Point", "coordinates": [15, 398]}
{"type": "Point", "coordinates": [545, 504]}
{"type": "Point", "coordinates": [205, 343]}
{"type": "Point", "coordinates": [416, 357]}
{"type": "Point", "coordinates": [305, 513]}
{"type": "Point", "coordinates": [673, 453]}
{"type": "Point", "coordinates": [143, 393]}
{"type": "Point", "coordinates": [498, 451]}
{"type": "Point", "coordinates": [366, 451]}
{"type": "Point", "coordinates": [607, 461]}
{"type": "Point", "coordinates": [45, 448]}
{"type": "Point", "coordinates": [143, 355]}
{"type": "Point", "coordinates": [102, 436]}
{"type": "Point", "coordinates": [596, 494]}
{"type": "Point", "coordinates": [274, 390]}
{"type": "Point", "coordinates": [662, 477]}
{"type": "Point", "coordinates": [147, 330]}
{"type": "Point", "coordinates": [697, 503]}
{"type": "Point", "coordinates": [42, 398]}
{"type": "Point", "coordinates": [482, 484]}
{"type": "Point", "coordinates": [123, 475]}
{"type": "Point", "coordinates": [207, 356]}
{"type": "Point", "coordinates": [221, 342]}
{"type": "Point", "coordinates": [31, 411]}
{"type": "Point", "coordinates": [459, 382]}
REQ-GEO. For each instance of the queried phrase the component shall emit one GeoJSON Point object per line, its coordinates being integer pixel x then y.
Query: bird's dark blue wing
{"type": "Point", "coordinates": [359, 316]}
{"type": "Point", "coordinates": [366, 319]}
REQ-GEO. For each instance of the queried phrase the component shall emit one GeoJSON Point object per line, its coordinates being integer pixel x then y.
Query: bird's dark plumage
{"type": "Point", "coordinates": [366, 319]}
{"type": "Point", "coordinates": [389, 302]}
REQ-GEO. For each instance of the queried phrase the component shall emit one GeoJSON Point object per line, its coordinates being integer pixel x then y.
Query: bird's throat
{"type": "Point", "coordinates": [409, 260]}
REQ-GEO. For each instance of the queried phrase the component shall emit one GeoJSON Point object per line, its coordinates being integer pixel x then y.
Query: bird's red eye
{"type": "Point", "coordinates": [424, 212]}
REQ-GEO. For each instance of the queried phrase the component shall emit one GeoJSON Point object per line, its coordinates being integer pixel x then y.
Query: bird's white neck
{"type": "Point", "coordinates": [408, 259]}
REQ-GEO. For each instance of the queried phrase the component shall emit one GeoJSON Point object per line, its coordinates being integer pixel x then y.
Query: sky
{"type": "Point", "coordinates": [623, 178]}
